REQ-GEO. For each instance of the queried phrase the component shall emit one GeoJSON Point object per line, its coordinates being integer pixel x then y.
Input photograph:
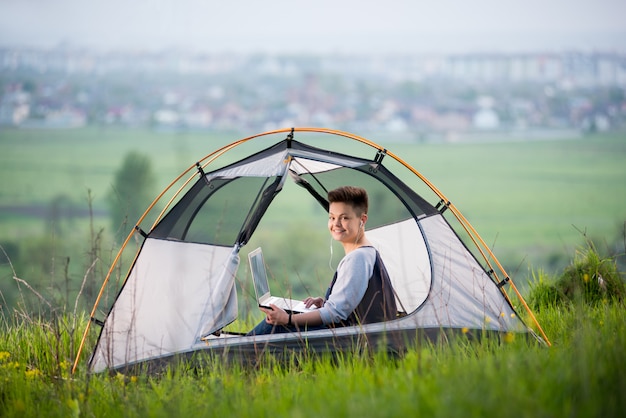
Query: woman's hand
{"type": "Point", "coordinates": [318, 302]}
{"type": "Point", "coordinates": [275, 315]}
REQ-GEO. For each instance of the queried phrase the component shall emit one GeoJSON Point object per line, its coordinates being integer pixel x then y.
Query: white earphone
{"type": "Point", "coordinates": [361, 226]}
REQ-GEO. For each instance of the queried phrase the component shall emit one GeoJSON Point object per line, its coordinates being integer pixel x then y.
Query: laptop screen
{"type": "Point", "coordinates": [259, 275]}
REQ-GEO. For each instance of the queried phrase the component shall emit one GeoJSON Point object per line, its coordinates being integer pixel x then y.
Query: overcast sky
{"type": "Point", "coordinates": [320, 26]}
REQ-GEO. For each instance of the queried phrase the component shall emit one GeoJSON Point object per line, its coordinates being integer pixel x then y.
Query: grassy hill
{"type": "Point", "coordinates": [530, 199]}
{"type": "Point", "coordinates": [580, 375]}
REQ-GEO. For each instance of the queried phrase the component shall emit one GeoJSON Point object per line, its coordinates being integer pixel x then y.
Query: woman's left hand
{"type": "Point", "coordinates": [275, 315]}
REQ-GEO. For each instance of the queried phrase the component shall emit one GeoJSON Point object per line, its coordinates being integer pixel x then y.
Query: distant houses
{"type": "Point", "coordinates": [415, 96]}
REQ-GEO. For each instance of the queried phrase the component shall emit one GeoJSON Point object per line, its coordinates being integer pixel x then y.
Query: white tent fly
{"type": "Point", "coordinates": [180, 292]}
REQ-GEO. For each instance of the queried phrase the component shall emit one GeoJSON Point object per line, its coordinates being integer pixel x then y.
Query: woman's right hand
{"type": "Point", "coordinates": [318, 302]}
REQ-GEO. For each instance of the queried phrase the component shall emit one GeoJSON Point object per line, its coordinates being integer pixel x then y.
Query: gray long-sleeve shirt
{"type": "Point", "coordinates": [353, 274]}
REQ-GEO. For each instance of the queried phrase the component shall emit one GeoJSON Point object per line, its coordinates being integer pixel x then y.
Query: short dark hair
{"type": "Point", "coordinates": [352, 195]}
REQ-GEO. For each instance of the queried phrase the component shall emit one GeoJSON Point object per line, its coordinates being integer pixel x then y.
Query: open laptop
{"type": "Point", "coordinates": [262, 287]}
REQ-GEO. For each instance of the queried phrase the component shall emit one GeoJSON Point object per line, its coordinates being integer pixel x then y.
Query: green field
{"type": "Point", "coordinates": [529, 200]}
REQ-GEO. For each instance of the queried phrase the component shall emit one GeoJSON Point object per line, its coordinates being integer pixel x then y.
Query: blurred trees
{"type": "Point", "coordinates": [132, 192]}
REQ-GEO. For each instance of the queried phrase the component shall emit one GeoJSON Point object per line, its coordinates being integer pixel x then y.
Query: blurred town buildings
{"type": "Point", "coordinates": [421, 97]}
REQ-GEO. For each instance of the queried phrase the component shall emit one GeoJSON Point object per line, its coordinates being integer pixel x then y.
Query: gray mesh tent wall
{"type": "Point", "coordinates": [180, 291]}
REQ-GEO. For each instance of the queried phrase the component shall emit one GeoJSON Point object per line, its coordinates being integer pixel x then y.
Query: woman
{"type": "Point", "coordinates": [360, 291]}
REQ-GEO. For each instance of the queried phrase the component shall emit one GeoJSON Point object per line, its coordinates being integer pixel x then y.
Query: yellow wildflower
{"type": "Point", "coordinates": [32, 373]}
{"type": "Point", "coordinates": [508, 337]}
{"type": "Point", "coordinates": [261, 380]}
{"type": "Point", "coordinates": [586, 278]}
{"type": "Point", "coordinates": [4, 355]}
{"type": "Point", "coordinates": [464, 330]}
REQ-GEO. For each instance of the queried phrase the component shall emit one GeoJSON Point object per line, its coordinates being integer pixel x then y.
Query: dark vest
{"type": "Point", "coordinates": [378, 303]}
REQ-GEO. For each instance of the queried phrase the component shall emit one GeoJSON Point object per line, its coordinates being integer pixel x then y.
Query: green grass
{"type": "Point", "coordinates": [580, 375]}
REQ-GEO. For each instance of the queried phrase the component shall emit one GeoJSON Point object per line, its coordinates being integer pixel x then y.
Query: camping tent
{"type": "Point", "coordinates": [180, 291]}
